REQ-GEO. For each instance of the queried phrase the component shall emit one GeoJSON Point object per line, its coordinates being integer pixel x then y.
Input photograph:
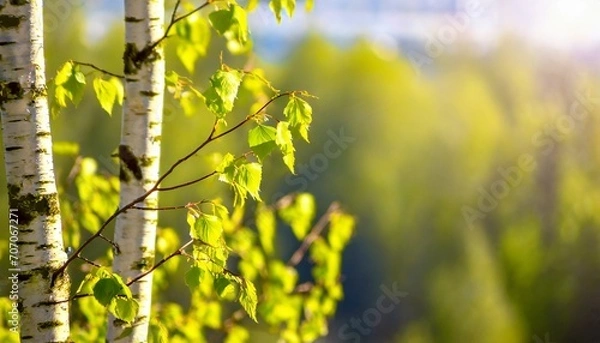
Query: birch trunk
{"type": "Point", "coordinates": [135, 231]}
{"type": "Point", "coordinates": [33, 198]}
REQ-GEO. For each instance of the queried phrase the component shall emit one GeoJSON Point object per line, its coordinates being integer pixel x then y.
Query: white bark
{"type": "Point", "coordinates": [30, 173]}
{"type": "Point", "coordinates": [135, 231]}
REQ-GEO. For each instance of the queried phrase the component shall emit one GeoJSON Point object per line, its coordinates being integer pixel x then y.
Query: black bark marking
{"type": "Point", "coordinates": [129, 160]}
{"type": "Point", "coordinates": [8, 21]}
{"type": "Point", "coordinates": [133, 19]}
{"type": "Point", "coordinates": [50, 324]}
{"type": "Point", "coordinates": [31, 206]}
{"type": "Point", "coordinates": [13, 148]}
{"type": "Point", "coordinates": [149, 93]}
{"type": "Point", "coordinates": [10, 91]}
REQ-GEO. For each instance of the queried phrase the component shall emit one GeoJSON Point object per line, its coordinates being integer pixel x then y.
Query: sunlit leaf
{"type": "Point", "coordinates": [299, 114]}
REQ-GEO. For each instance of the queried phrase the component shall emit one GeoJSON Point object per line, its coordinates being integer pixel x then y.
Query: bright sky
{"type": "Point", "coordinates": [560, 24]}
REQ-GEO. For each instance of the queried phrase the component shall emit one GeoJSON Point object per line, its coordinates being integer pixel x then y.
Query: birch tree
{"type": "Point", "coordinates": [34, 208]}
{"type": "Point", "coordinates": [139, 153]}
{"type": "Point", "coordinates": [260, 281]}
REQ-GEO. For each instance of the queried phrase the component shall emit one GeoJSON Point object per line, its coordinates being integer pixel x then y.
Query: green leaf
{"type": "Point", "coordinates": [309, 5]}
{"type": "Point", "coordinates": [243, 177]}
{"type": "Point", "coordinates": [283, 140]}
{"type": "Point", "coordinates": [158, 333]}
{"type": "Point", "coordinates": [64, 73]}
{"type": "Point", "coordinates": [105, 290]}
{"type": "Point", "coordinates": [266, 226]}
{"type": "Point", "coordinates": [277, 6]}
{"type": "Point", "coordinates": [126, 309]}
{"type": "Point", "coordinates": [70, 84]}
{"type": "Point", "coordinates": [193, 277]}
{"type": "Point", "coordinates": [119, 88]}
{"type": "Point", "coordinates": [193, 40]}
{"type": "Point", "coordinates": [237, 334]}
{"type": "Point", "coordinates": [299, 114]}
{"type": "Point", "coordinates": [223, 90]}
{"type": "Point", "coordinates": [212, 315]}
{"type": "Point", "coordinates": [249, 177]}
{"type": "Point", "coordinates": [251, 5]}
{"type": "Point", "coordinates": [208, 228]}
{"type": "Point", "coordinates": [261, 140]}
{"type": "Point", "coordinates": [283, 276]}
{"type": "Point", "coordinates": [299, 214]}
{"type": "Point", "coordinates": [248, 298]}
{"type": "Point", "coordinates": [87, 285]}
{"type": "Point", "coordinates": [221, 211]}
{"type": "Point", "coordinates": [223, 286]}
{"type": "Point", "coordinates": [232, 23]}
{"type": "Point", "coordinates": [340, 230]}
{"type": "Point", "coordinates": [106, 93]}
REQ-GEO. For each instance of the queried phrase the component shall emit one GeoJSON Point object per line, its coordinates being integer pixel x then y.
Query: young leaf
{"type": "Point", "coordinates": [223, 286]}
{"type": "Point", "coordinates": [340, 230]}
{"type": "Point", "coordinates": [223, 90]}
{"type": "Point", "coordinates": [119, 88]}
{"type": "Point", "coordinates": [193, 39]}
{"type": "Point", "coordinates": [277, 5]}
{"type": "Point", "coordinates": [249, 177]}
{"type": "Point", "coordinates": [237, 334]}
{"type": "Point", "coordinates": [193, 277]}
{"type": "Point", "coordinates": [106, 93]}
{"type": "Point", "coordinates": [300, 214]}
{"type": "Point", "coordinates": [283, 139]}
{"type": "Point", "coordinates": [126, 309]}
{"type": "Point", "coordinates": [208, 228]}
{"type": "Point", "coordinates": [232, 23]}
{"type": "Point", "coordinates": [299, 114]}
{"type": "Point", "coordinates": [266, 225]}
{"type": "Point", "coordinates": [70, 83]}
{"type": "Point", "coordinates": [105, 290]}
{"type": "Point", "coordinates": [261, 140]}
{"type": "Point", "coordinates": [248, 298]}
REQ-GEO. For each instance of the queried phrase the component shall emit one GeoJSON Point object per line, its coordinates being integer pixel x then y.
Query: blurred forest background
{"type": "Point", "coordinates": [475, 177]}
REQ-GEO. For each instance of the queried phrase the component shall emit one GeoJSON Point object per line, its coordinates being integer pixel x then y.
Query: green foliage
{"type": "Point", "coordinates": [299, 214]}
{"type": "Point", "coordinates": [299, 114]}
{"type": "Point", "coordinates": [232, 23]}
{"type": "Point", "coordinates": [232, 266]}
{"type": "Point", "coordinates": [69, 85]}
{"type": "Point", "coordinates": [193, 39]}
{"type": "Point", "coordinates": [223, 90]}
{"type": "Point", "coordinates": [109, 92]}
{"type": "Point", "coordinates": [278, 5]}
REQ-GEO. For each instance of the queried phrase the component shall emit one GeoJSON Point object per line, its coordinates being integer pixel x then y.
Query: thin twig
{"type": "Point", "coordinates": [211, 138]}
{"type": "Point", "coordinates": [314, 234]}
{"type": "Point", "coordinates": [90, 262]}
{"type": "Point", "coordinates": [174, 20]}
{"type": "Point", "coordinates": [161, 262]}
{"type": "Point", "coordinates": [99, 69]}
{"type": "Point", "coordinates": [164, 189]}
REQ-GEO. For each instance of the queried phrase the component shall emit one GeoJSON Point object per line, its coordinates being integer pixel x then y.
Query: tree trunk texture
{"type": "Point", "coordinates": [139, 151]}
{"type": "Point", "coordinates": [33, 198]}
